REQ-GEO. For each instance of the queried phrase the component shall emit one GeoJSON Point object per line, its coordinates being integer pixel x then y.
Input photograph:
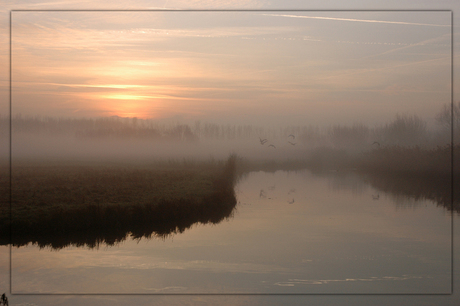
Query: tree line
{"type": "Point", "coordinates": [403, 130]}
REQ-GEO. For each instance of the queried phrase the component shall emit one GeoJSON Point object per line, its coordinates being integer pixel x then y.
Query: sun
{"type": "Point", "coordinates": [129, 100]}
{"type": "Point", "coordinates": [123, 105]}
{"type": "Point", "coordinates": [129, 97]}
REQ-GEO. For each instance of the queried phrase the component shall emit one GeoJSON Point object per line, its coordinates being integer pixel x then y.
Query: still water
{"type": "Point", "coordinates": [291, 232]}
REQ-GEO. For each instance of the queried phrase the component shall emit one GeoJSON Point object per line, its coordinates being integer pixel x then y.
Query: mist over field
{"type": "Point", "coordinates": [228, 152]}
{"type": "Point", "coordinates": [143, 140]}
{"type": "Point", "coordinates": [127, 142]}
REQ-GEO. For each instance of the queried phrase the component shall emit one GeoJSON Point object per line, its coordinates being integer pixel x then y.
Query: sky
{"type": "Point", "coordinates": [328, 68]}
{"type": "Point", "coordinates": [259, 67]}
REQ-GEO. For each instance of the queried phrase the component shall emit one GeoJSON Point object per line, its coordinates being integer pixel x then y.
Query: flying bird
{"type": "Point", "coordinates": [293, 137]}
{"type": "Point", "coordinates": [375, 142]}
{"type": "Point", "coordinates": [272, 146]}
{"type": "Point", "coordinates": [262, 194]}
{"type": "Point", "coordinates": [292, 143]}
{"type": "Point", "coordinates": [262, 141]}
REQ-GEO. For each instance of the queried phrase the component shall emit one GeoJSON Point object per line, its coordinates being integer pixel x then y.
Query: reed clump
{"type": "Point", "coordinates": [411, 160]}
{"type": "Point", "coordinates": [61, 205]}
{"type": "Point", "coordinates": [419, 173]}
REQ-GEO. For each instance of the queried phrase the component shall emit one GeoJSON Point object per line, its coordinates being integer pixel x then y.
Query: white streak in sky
{"type": "Point", "coordinates": [387, 67]}
{"type": "Point", "coordinates": [425, 42]}
{"type": "Point", "coordinates": [360, 20]}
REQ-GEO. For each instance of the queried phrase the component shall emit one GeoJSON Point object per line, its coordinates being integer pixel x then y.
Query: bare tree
{"type": "Point", "coordinates": [404, 130]}
{"type": "Point", "coordinates": [350, 138]}
{"type": "Point", "coordinates": [450, 122]}
{"type": "Point", "coordinates": [444, 117]}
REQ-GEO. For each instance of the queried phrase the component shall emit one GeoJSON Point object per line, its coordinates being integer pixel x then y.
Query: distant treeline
{"type": "Point", "coordinates": [403, 130]}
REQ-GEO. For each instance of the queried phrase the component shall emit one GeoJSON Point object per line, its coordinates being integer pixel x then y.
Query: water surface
{"type": "Point", "coordinates": [291, 232]}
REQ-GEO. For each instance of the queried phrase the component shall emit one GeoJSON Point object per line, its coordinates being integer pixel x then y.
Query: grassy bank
{"type": "Point", "coordinates": [403, 171]}
{"type": "Point", "coordinates": [398, 159]}
{"type": "Point", "coordinates": [432, 174]}
{"type": "Point", "coordinates": [88, 204]}
{"type": "Point", "coordinates": [389, 160]}
{"type": "Point", "coordinates": [408, 171]}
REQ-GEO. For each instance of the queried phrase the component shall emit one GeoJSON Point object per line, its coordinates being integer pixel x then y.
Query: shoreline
{"type": "Point", "coordinates": [90, 205]}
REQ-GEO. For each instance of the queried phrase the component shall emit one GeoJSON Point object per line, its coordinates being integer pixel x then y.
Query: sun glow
{"type": "Point", "coordinates": [127, 108]}
{"type": "Point", "coordinates": [124, 96]}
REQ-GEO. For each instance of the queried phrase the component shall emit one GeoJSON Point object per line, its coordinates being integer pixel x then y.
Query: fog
{"type": "Point", "coordinates": [65, 146]}
{"type": "Point", "coordinates": [28, 146]}
{"type": "Point", "coordinates": [140, 140]}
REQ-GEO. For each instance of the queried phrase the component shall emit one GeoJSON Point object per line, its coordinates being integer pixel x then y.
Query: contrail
{"type": "Point", "coordinates": [386, 67]}
{"type": "Point", "coordinates": [425, 42]}
{"type": "Point", "coordinates": [360, 20]}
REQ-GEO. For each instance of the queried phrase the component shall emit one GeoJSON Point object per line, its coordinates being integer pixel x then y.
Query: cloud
{"type": "Point", "coordinates": [446, 38]}
{"type": "Point", "coordinates": [135, 64]}
{"type": "Point", "coordinates": [360, 20]}
{"type": "Point", "coordinates": [350, 75]}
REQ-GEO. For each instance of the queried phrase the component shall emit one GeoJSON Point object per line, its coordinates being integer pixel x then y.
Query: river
{"type": "Point", "coordinates": [293, 237]}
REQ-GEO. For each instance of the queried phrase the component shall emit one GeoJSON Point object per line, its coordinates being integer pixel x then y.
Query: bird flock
{"type": "Point", "coordinates": [264, 141]}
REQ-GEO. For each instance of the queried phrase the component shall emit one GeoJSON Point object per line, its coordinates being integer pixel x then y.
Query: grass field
{"type": "Point", "coordinates": [95, 201]}
{"type": "Point", "coordinates": [86, 203]}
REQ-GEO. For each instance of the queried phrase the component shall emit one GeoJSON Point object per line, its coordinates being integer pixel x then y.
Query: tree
{"type": "Point", "coordinates": [445, 119]}
{"type": "Point", "coordinates": [405, 130]}
{"type": "Point", "coordinates": [352, 138]}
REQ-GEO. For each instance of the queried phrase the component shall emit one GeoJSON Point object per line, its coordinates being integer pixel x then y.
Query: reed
{"type": "Point", "coordinates": [59, 205]}
{"type": "Point", "coordinates": [411, 159]}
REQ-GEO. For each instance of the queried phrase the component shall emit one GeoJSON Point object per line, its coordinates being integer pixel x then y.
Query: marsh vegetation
{"type": "Point", "coordinates": [60, 205]}
{"type": "Point", "coordinates": [87, 181]}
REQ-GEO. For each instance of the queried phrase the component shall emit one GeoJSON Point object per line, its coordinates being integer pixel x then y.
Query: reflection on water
{"type": "Point", "coordinates": [62, 205]}
{"type": "Point", "coordinates": [412, 190]}
{"type": "Point", "coordinates": [95, 226]}
{"type": "Point", "coordinates": [291, 232]}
